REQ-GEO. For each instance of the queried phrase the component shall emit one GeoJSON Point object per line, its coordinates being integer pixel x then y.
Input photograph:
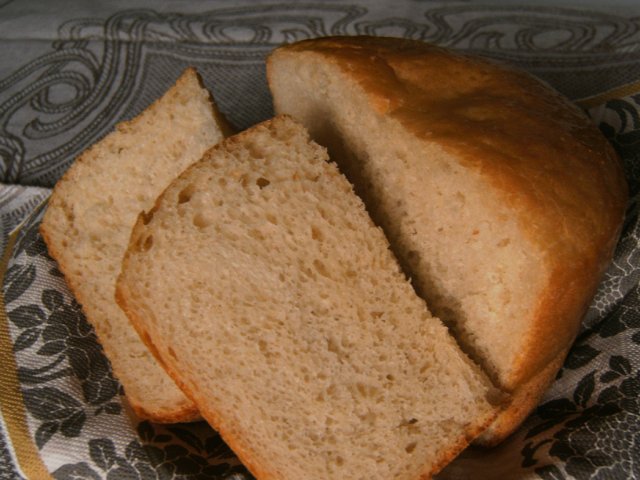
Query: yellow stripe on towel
{"type": "Point", "coordinates": [601, 98]}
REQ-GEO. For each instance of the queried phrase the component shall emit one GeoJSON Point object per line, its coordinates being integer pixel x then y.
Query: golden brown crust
{"type": "Point", "coordinates": [542, 155]}
{"type": "Point", "coordinates": [472, 433]}
{"type": "Point", "coordinates": [524, 400]}
{"type": "Point", "coordinates": [185, 414]}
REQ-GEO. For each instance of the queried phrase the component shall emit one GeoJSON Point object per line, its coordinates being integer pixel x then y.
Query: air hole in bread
{"type": "Point", "coordinates": [504, 242]}
{"type": "Point", "coordinates": [332, 346]}
{"type": "Point", "coordinates": [147, 217]}
{"type": "Point", "coordinates": [201, 221]}
{"type": "Point", "coordinates": [257, 234]}
{"type": "Point", "coordinates": [172, 353]}
{"type": "Point", "coordinates": [244, 180]}
{"type": "Point", "coordinates": [321, 268]}
{"type": "Point", "coordinates": [413, 255]}
{"type": "Point", "coordinates": [271, 218]}
{"type": "Point", "coordinates": [185, 194]}
{"type": "Point", "coordinates": [316, 234]}
{"type": "Point", "coordinates": [262, 182]}
{"type": "Point", "coordinates": [146, 244]}
{"type": "Point", "coordinates": [410, 447]}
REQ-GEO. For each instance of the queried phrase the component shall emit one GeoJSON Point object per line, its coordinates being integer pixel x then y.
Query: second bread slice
{"type": "Point", "coordinates": [89, 219]}
{"type": "Point", "coordinates": [265, 289]}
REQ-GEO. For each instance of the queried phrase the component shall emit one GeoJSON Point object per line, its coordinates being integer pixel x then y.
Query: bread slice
{"type": "Point", "coordinates": [263, 286]}
{"type": "Point", "coordinates": [89, 219]}
{"type": "Point", "coordinates": [502, 201]}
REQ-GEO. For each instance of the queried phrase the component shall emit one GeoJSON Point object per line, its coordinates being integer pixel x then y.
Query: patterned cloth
{"type": "Point", "coordinates": [68, 75]}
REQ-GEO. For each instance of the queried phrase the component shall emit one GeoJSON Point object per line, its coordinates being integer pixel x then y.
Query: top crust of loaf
{"type": "Point", "coordinates": [544, 157]}
{"type": "Point", "coordinates": [89, 219]}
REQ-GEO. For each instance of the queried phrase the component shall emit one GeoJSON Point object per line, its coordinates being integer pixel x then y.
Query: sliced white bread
{"type": "Point", "coordinates": [501, 199]}
{"type": "Point", "coordinates": [263, 286]}
{"type": "Point", "coordinates": [89, 218]}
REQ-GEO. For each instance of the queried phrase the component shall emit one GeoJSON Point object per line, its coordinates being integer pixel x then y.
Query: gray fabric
{"type": "Point", "coordinates": [16, 202]}
{"type": "Point", "coordinates": [68, 74]}
{"type": "Point", "coordinates": [7, 466]}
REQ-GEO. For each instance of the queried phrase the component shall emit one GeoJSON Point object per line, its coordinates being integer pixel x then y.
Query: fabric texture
{"type": "Point", "coordinates": [68, 74]}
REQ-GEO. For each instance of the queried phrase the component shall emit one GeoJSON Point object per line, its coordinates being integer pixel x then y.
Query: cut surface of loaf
{"type": "Point", "coordinates": [263, 285]}
{"type": "Point", "coordinates": [501, 200]}
{"type": "Point", "coordinates": [89, 218]}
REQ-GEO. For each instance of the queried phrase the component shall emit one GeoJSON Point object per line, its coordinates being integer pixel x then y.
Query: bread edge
{"type": "Point", "coordinates": [524, 401]}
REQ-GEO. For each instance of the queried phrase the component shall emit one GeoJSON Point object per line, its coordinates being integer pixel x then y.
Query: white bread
{"type": "Point", "coordinates": [89, 219]}
{"type": "Point", "coordinates": [264, 288]}
{"type": "Point", "coordinates": [502, 201]}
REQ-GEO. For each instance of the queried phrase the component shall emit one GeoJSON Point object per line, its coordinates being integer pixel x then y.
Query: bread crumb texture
{"type": "Point", "coordinates": [266, 288]}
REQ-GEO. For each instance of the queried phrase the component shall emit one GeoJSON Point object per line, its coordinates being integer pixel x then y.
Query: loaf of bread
{"type": "Point", "coordinates": [262, 285]}
{"type": "Point", "coordinates": [89, 219]}
{"type": "Point", "coordinates": [500, 198]}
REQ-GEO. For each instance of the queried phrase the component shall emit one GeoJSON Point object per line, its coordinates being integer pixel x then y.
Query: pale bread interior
{"type": "Point", "coordinates": [265, 288]}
